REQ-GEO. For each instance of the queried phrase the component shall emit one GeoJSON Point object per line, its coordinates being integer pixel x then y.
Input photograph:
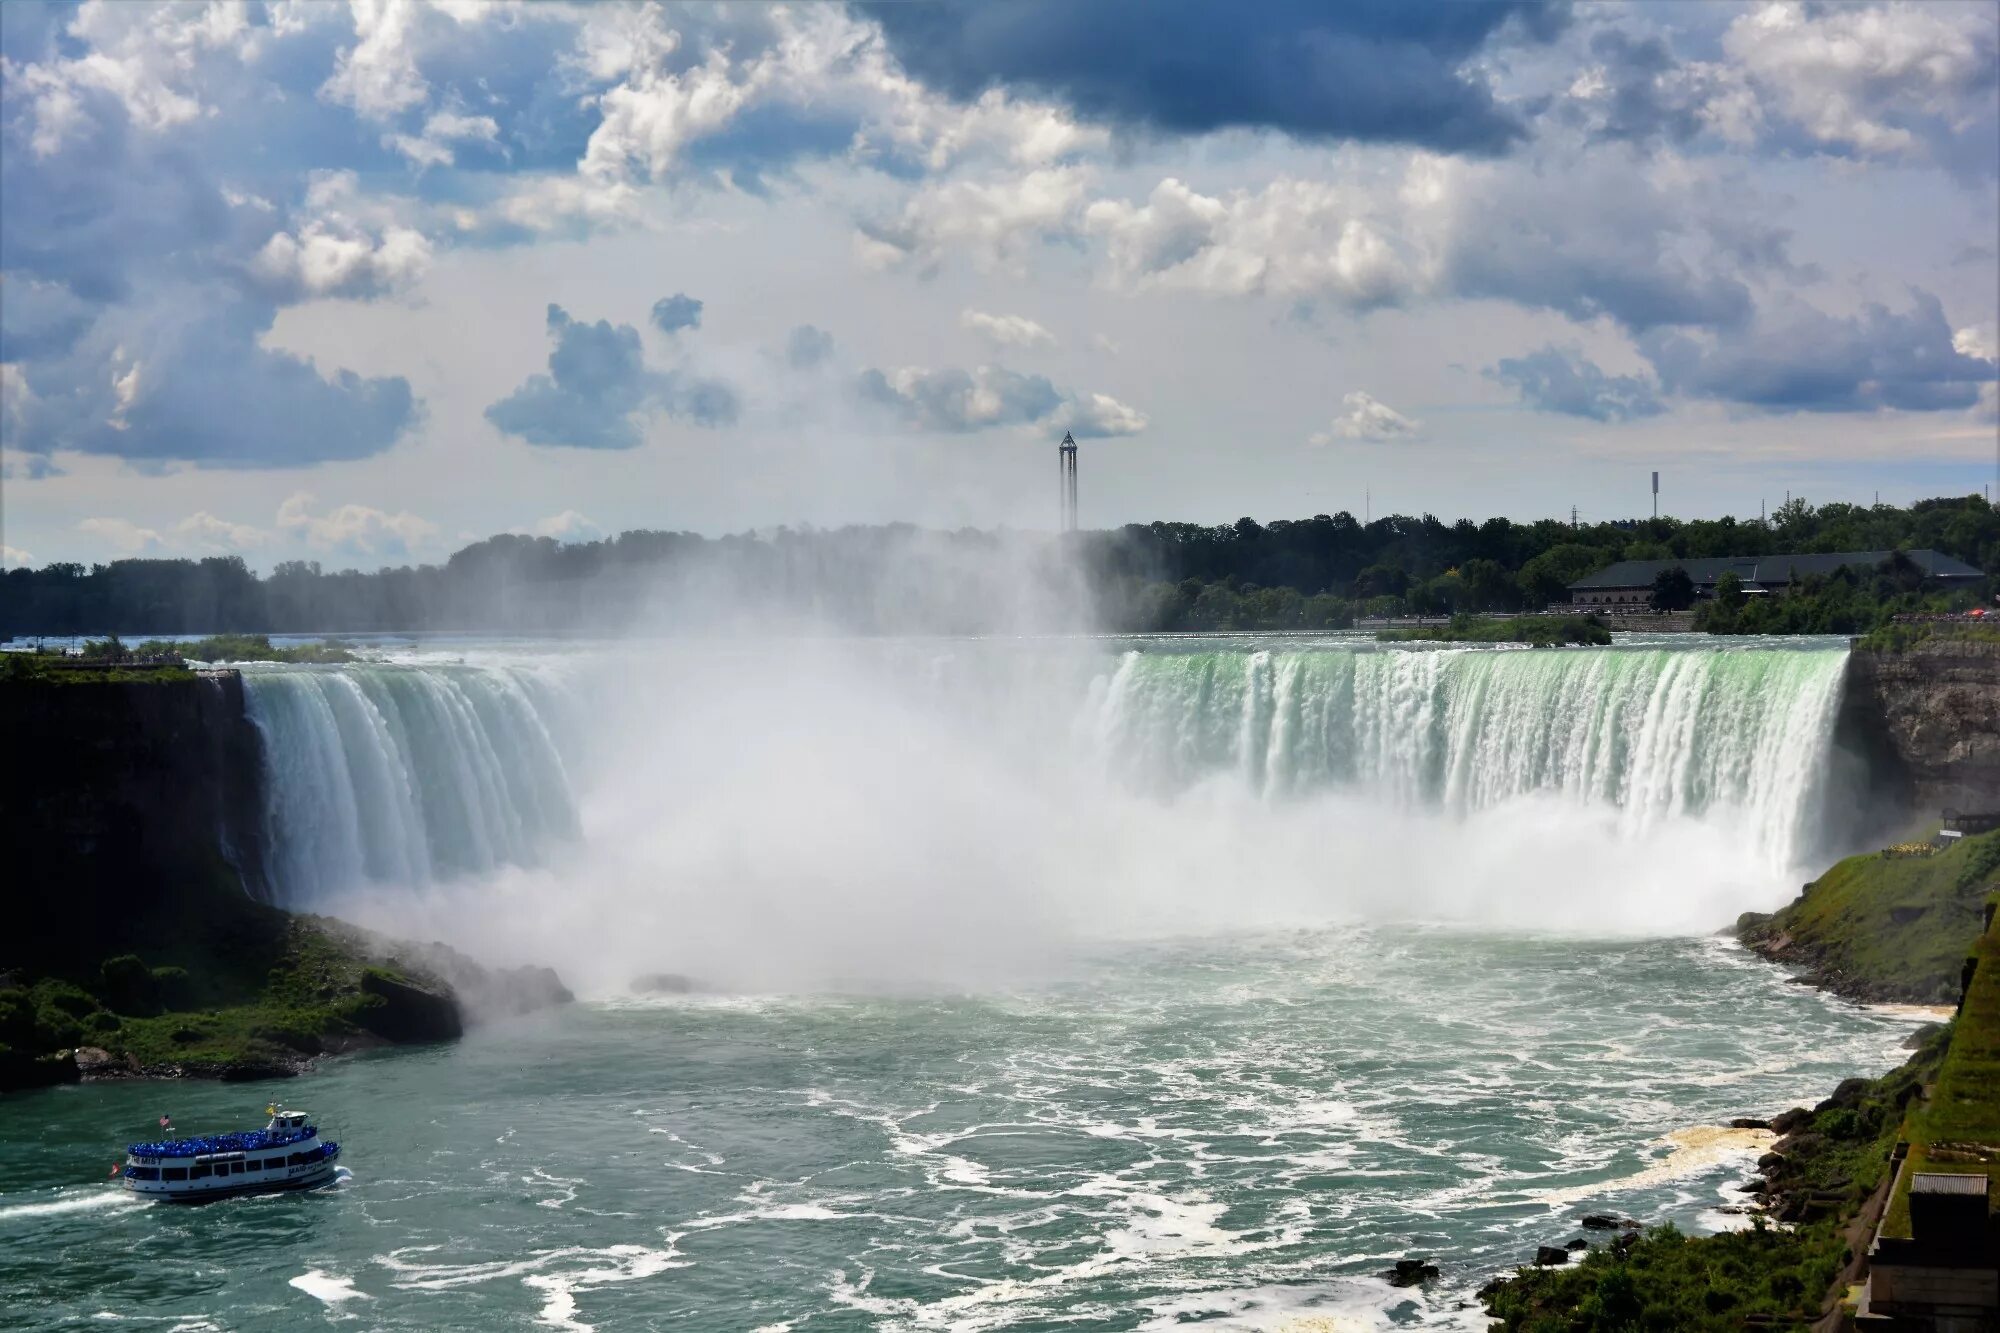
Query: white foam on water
{"type": "Point", "coordinates": [1691, 1151]}
{"type": "Point", "coordinates": [559, 1309]}
{"type": "Point", "coordinates": [323, 1286]}
{"type": "Point", "coordinates": [93, 1201]}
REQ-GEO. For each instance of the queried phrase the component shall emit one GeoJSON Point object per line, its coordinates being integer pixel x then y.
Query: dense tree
{"type": "Point", "coordinates": [1311, 573]}
{"type": "Point", "coordinates": [1673, 590]}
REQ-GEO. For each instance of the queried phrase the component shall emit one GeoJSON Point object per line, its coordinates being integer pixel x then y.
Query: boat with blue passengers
{"type": "Point", "coordinates": [287, 1154]}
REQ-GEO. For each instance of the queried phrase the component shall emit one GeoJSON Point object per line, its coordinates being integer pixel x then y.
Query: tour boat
{"type": "Point", "coordinates": [287, 1154]}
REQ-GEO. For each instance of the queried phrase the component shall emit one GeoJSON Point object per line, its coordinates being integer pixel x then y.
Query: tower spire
{"type": "Point", "coordinates": [1066, 456]}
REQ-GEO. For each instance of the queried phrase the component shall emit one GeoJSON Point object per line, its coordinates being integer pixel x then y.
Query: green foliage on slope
{"type": "Point", "coordinates": [1885, 927]}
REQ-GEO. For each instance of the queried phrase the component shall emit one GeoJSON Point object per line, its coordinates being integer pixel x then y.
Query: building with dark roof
{"type": "Point", "coordinates": [1630, 582]}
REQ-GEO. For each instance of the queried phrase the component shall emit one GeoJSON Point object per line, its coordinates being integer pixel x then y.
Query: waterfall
{"type": "Point", "coordinates": [1654, 732]}
{"type": "Point", "coordinates": [412, 774]}
{"type": "Point", "coordinates": [405, 775]}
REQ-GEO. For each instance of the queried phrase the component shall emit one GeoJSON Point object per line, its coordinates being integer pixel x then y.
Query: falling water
{"type": "Point", "coordinates": [405, 775]}
{"type": "Point", "coordinates": [1655, 732]}
{"type": "Point", "coordinates": [408, 774]}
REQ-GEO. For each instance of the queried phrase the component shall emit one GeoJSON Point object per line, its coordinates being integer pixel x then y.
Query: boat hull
{"type": "Point", "coordinates": [313, 1176]}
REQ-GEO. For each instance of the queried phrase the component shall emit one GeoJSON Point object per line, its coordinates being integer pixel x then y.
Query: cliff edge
{"type": "Point", "coordinates": [1928, 704]}
{"type": "Point", "coordinates": [135, 941]}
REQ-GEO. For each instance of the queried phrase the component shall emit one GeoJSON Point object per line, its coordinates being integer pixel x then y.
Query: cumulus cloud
{"type": "Point", "coordinates": [957, 401]}
{"type": "Point", "coordinates": [806, 347]}
{"type": "Point", "coordinates": [378, 75]}
{"type": "Point", "coordinates": [434, 146]}
{"type": "Point", "coordinates": [205, 532]}
{"type": "Point", "coordinates": [598, 388]}
{"type": "Point", "coordinates": [122, 535]}
{"type": "Point", "coordinates": [674, 313]}
{"type": "Point", "coordinates": [354, 530]}
{"type": "Point", "coordinates": [1895, 80]}
{"type": "Point", "coordinates": [1367, 419]}
{"type": "Point", "coordinates": [1006, 330]}
{"type": "Point", "coordinates": [568, 526]}
{"type": "Point", "coordinates": [15, 556]}
{"type": "Point", "coordinates": [1404, 73]}
{"type": "Point", "coordinates": [996, 219]}
{"type": "Point", "coordinates": [1562, 379]}
{"type": "Point", "coordinates": [324, 259]}
{"type": "Point", "coordinates": [1294, 238]}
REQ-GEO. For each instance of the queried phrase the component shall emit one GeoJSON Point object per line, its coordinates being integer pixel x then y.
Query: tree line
{"type": "Point", "coordinates": [1315, 573]}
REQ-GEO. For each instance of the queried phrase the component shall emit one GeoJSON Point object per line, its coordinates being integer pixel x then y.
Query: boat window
{"type": "Point", "coordinates": [144, 1173]}
{"type": "Point", "coordinates": [273, 1163]}
{"type": "Point", "coordinates": [200, 1171]}
{"type": "Point", "coordinates": [174, 1173]}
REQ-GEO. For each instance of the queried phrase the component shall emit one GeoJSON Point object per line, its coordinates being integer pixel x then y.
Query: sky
{"type": "Point", "coordinates": [361, 283]}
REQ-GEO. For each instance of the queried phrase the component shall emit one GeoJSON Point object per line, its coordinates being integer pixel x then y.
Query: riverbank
{"type": "Point", "coordinates": [1878, 927]}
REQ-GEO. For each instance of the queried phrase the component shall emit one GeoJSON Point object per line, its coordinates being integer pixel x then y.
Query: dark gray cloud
{"type": "Point", "coordinates": [1562, 379]}
{"type": "Point", "coordinates": [1382, 70]}
{"type": "Point", "coordinates": [807, 347]}
{"type": "Point", "coordinates": [674, 313]}
{"type": "Point", "coordinates": [186, 378]}
{"type": "Point", "coordinates": [597, 388]}
{"type": "Point", "coordinates": [1648, 93]}
{"type": "Point", "coordinates": [1797, 359]}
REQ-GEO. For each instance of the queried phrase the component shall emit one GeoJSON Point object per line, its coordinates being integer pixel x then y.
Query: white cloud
{"type": "Point", "coordinates": [1368, 419]}
{"type": "Point", "coordinates": [1979, 341]}
{"type": "Point", "coordinates": [994, 219]}
{"type": "Point", "coordinates": [1860, 78]}
{"type": "Point", "coordinates": [378, 75]}
{"type": "Point", "coordinates": [1099, 414]}
{"type": "Point", "coordinates": [433, 148]}
{"type": "Point", "coordinates": [144, 56]}
{"type": "Point", "coordinates": [14, 555]}
{"type": "Point", "coordinates": [205, 532]}
{"type": "Point", "coordinates": [122, 534]}
{"type": "Point", "coordinates": [200, 533]}
{"type": "Point", "coordinates": [1294, 238]}
{"type": "Point", "coordinates": [354, 529]}
{"type": "Point", "coordinates": [568, 526]}
{"type": "Point", "coordinates": [349, 246]}
{"type": "Point", "coordinates": [1007, 330]}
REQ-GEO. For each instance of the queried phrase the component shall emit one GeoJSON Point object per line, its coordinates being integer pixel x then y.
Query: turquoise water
{"type": "Point", "coordinates": [1242, 1130]}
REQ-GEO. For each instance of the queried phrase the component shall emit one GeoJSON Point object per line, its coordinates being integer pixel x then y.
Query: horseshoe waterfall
{"type": "Point", "coordinates": [408, 774]}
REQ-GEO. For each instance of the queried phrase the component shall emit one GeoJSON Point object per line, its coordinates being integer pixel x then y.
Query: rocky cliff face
{"type": "Point", "coordinates": [117, 800]}
{"type": "Point", "coordinates": [1930, 715]}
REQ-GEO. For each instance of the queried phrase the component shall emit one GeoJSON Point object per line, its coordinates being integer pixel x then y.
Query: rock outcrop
{"type": "Point", "coordinates": [1930, 716]}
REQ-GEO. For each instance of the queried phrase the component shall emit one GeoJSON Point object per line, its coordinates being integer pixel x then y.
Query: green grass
{"type": "Point", "coordinates": [1959, 1128]}
{"type": "Point", "coordinates": [47, 669]}
{"type": "Point", "coordinates": [1897, 637]}
{"type": "Point", "coordinates": [246, 648]}
{"type": "Point", "coordinates": [1542, 631]}
{"type": "Point", "coordinates": [1887, 927]}
{"type": "Point", "coordinates": [247, 986]}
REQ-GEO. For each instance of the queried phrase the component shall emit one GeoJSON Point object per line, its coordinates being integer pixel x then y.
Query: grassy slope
{"type": "Point", "coordinates": [1881, 928]}
{"type": "Point", "coordinates": [1959, 1128]}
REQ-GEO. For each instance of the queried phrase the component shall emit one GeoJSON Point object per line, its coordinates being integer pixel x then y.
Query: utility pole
{"type": "Point", "coordinates": [1066, 457]}
{"type": "Point", "coordinates": [1656, 496]}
